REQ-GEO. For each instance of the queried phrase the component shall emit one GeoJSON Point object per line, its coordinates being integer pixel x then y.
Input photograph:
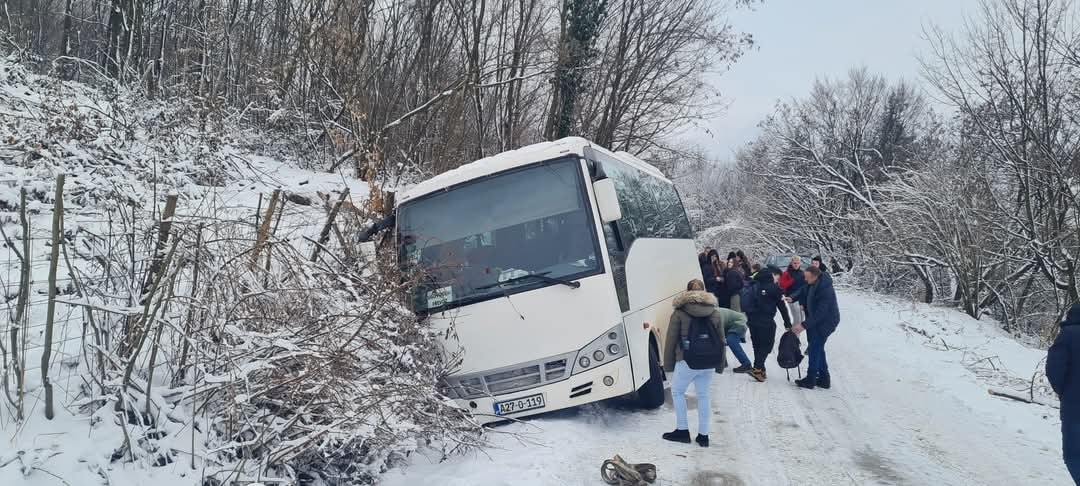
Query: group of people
{"type": "Point", "coordinates": [732, 298]}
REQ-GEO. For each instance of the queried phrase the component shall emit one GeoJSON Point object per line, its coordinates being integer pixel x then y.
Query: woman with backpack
{"type": "Point", "coordinates": [693, 348]}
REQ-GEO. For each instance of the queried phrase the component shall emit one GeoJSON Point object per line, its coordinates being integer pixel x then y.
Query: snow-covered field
{"type": "Point", "coordinates": [909, 405]}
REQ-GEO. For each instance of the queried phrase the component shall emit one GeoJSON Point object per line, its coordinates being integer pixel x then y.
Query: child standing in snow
{"type": "Point", "coordinates": [1063, 372]}
{"type": "Point", "coordinates": [693, 304]}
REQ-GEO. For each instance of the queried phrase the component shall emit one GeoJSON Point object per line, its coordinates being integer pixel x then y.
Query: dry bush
{"type": "Point", "coordinates": [283, 367]}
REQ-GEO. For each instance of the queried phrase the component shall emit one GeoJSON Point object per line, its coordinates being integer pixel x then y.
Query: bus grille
{"type": "Point", "coordinates": [512, 379]}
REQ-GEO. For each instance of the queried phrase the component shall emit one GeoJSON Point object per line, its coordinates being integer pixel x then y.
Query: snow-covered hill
{"type": "Point", "coordinates": [909, 406]}
{"type": "Point", "coordinates": [259, 360]}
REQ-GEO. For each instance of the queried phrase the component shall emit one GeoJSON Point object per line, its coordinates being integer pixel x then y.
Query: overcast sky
{"type": "Point", "coordinates": [800, 40]}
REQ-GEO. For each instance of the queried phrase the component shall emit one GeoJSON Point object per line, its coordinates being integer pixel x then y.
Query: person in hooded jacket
{"type": "Point", "coordinates": [761, 317]}
{"type": "Point", "coordinates": [1063, 373]}
{"type": "Point", "coordinates": [694, 303]}
{"type": "Point", "coordinates": [822, 318]}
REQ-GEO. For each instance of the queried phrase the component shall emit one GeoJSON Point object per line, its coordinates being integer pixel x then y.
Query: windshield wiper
{"type": "Point", "coordinates": [539, 276]}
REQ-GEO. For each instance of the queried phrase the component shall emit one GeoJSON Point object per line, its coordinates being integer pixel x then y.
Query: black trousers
{"type": "Point", "coordinates": [763, 337]}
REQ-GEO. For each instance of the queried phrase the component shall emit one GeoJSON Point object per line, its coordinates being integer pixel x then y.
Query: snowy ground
{"type": "Point", "coordinates": [909, 405]}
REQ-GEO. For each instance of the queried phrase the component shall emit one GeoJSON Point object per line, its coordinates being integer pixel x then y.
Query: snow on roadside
{"type": "Point", "coordinates": [116, 147]}
{"type": "Point", "coordinates": [902, 411]}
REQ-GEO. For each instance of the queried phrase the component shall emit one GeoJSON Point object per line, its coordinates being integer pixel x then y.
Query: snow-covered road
{"type": "Point", "coordinates": [899, 412]}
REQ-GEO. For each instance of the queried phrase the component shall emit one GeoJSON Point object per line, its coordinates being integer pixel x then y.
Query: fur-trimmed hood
{"type": "Point", "coordinates": [697, 303]}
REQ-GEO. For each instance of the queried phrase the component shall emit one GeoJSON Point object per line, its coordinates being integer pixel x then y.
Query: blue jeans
{"type": "Point", "coordinates": [702, 380]}
{"type": "Point", "coordinates": [1070, 447]}
{"type": "Point", "coordinates": [735, 343]}
{"type": "Point", "coordinates": [815, 347]}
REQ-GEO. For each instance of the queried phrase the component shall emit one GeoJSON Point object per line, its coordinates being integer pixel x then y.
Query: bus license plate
{"type": "Point", "coordinates": [516, 405]}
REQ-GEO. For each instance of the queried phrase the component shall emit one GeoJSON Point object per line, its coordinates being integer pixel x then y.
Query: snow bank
{"type": "Point", "coordinates": [310, 370]}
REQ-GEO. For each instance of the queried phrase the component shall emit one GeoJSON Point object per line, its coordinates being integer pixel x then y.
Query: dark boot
{"type": "Point", "coordinates": [742, 369]}
{"type": "Point", "coordinates": [807, 383]}
{"type": "Point", "coordinates": [824, 381]}
{"type": "Point", "coordinates": [682, 436]}
{"type": "Point", "coordinates": [759, 374]}
{"type": "Point", "coordinates": [702, 440]}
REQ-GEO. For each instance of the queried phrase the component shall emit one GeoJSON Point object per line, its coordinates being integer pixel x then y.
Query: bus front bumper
{"type": "Point", "coordinates": [609, 380]}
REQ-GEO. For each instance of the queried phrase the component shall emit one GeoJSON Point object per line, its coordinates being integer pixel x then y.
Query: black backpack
{"type": "Point", "coordinates": [789, 353]}
{"type": "Point", "coordinates": [703, 348]}
{"type": "Point", "coordinates": [748, 299]}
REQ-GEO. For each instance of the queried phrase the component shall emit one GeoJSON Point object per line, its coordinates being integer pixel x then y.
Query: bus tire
{"type": "Point", "coordinates": [651, 394]}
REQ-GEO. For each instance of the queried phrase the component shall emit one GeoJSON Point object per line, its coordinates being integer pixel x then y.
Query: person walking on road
{"type": "Point", "coordinates": [692, 309]}
{"type": "Point", "coordinates": [761, 317]}
{"type": "Point", "coordinates": [1063, 372]}
{"type": "Point", "coordinates": [822, 318]}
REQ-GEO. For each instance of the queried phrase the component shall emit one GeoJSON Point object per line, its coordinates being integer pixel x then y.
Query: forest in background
{"type": "Point", "coordinates": [401, 90]}
{"type": "Point", "coordinates": [975, 205]}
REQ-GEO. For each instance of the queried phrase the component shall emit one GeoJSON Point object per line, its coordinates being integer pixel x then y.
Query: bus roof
{"type": "Point", "coordinates": [517, 158]}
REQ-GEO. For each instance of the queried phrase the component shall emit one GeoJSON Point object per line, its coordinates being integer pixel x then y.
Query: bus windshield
{"type": "Point", "coordinates": [498, 235]}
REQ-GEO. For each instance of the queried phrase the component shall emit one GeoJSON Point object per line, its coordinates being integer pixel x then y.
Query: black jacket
{"type": "Point", "coordinates": [733, 283]}
{"type": "Point", "coordinates": [769, 300]}
{"type": "Point", "coordinates": [1063, 367]}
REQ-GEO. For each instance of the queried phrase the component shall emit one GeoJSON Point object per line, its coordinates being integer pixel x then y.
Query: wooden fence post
{"type": "Point", "coordinates": [164, 229]}
{"type": "Point", "coordinates": [264, 228]}
{"type": "Point", "coordinates": [324, 235]}
{"type": "Point", "coordinates": [46, 354]}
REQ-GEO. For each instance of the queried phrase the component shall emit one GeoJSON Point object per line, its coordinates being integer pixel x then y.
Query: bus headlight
{"type": "Point", "coordinates": [610, 345]}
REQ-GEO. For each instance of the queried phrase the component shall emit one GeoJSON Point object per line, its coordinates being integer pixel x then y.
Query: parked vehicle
{"type": "Point", "coordinates": [556, 265]}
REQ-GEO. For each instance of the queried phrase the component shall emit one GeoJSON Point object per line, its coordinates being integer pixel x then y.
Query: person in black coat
{"type": "Point", "coordinates": [1063, 372]}
{"type": "Point", "coordinates": [733, 284]}
{"type": "Point", "coordinates": [712, 274]}
{"type": "Point", "coordinates": [761, 317]}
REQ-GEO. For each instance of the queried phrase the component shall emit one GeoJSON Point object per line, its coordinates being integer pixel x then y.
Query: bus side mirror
{"type": "Point", "coordinates": [607, 201]}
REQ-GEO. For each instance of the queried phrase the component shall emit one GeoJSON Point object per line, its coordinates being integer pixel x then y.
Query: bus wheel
{"type": "Point", "coordinates": [651, 394]}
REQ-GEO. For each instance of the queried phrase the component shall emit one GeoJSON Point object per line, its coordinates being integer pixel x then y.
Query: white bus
{"type": "Point", "coordinates": [556, 265]}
